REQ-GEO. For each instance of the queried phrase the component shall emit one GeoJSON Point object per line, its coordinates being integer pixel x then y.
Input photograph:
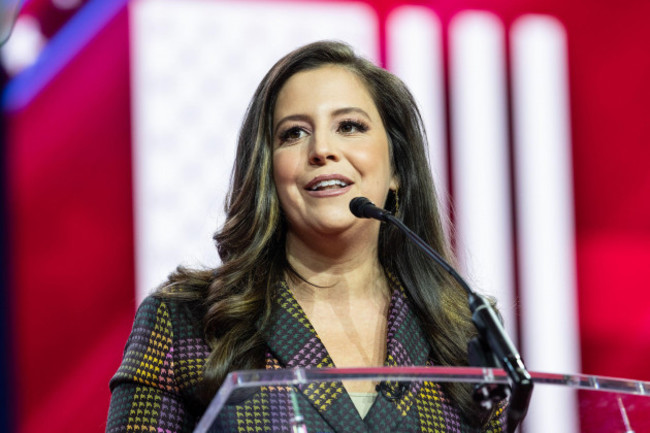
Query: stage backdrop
{"type": "Point", "coordinates": [120, 141]}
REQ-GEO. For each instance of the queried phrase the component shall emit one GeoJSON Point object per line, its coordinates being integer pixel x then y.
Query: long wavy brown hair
{"type": "Point", "coordinates": [237, 296]}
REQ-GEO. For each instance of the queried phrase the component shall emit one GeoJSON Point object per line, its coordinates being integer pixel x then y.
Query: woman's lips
{"type": "Point", "coordinates": [329, 192]}
{"type": "Point", "coordinates": [328, 185]}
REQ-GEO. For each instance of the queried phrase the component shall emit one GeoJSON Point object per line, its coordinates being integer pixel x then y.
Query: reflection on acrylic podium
{"type": "Point", "coordinates": [605, 404]}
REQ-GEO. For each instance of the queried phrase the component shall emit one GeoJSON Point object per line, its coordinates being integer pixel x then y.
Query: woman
{"type": "Point", "coordinates": [305, 283]}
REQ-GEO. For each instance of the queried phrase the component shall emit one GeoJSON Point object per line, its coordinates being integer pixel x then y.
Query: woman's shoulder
{"type": "Point", "coordinates": [167, 328]}
{"type": "Point", "coordinates": [169, 313]}
{"type": "Point", "coordinates": [165, 352]}
{"type": "Point", "coordinates": [179, 300]}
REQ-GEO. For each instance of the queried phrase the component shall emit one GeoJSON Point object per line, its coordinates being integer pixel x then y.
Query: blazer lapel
{"type": "Point", "coordinates": [406, 346]}
{"type": "Point", "coordinates": [294, 343]}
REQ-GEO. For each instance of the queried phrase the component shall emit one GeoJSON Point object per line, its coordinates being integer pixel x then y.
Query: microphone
{"type": "Point", "coordinates": [361, 207]}
{"type": "Point", "coordinates": [491, 333]}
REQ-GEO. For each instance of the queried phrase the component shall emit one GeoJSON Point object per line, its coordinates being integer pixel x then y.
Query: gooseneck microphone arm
{"type": "Point", "coordinates": [491, 332]}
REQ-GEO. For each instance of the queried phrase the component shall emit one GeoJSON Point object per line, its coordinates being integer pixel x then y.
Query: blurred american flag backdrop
{"type": "Point", "coordinates": [119, 125]}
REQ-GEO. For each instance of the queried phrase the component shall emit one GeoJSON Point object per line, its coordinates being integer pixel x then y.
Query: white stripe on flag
{"type": "Point", "coordinates": [480, 157]}
{"type": "Point", "coordinates": [545, 214]}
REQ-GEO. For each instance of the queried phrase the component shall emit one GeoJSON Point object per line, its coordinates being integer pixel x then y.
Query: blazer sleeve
{"type": "Point", "coordinates": [149, 392]}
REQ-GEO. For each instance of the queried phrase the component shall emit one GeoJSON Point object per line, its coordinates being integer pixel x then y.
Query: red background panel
{"type": "Point", "coordinates": [71, 238]}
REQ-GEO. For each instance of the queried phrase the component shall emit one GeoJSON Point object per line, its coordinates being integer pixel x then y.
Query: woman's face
{"type": "Point", "coordinates": [329, 146]}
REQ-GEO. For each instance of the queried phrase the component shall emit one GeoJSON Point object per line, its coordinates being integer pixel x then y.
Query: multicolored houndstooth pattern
{"type": "Point", "coordinates": [154, 388]}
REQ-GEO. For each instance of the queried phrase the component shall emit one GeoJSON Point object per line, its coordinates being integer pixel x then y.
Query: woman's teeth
{"type": "Point", "coordinates": [329, 184]}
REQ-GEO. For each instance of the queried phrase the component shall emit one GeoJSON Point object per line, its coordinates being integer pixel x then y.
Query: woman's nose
{"type": "Point", "coordinates": [322, 149]}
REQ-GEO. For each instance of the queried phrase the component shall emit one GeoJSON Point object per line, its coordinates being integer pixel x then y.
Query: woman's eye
{"type": "Point", "coordinates": [292, 134]}
{"type": "Point", "coordinates": [352, 126]}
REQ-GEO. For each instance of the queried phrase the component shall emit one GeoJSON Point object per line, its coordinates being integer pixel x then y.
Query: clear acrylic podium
{"type": "Point", "coordinates": [605, 404]}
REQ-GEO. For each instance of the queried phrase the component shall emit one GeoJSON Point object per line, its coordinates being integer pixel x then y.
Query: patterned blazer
{"type": "Point", "coordinates": [154, 388]}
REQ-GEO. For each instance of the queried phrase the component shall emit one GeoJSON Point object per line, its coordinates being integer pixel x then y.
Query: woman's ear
{"type": "Point", "coordinates": [394, 183]}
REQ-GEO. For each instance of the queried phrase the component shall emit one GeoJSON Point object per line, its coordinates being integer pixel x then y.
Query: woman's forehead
{"type": "Point", "coordinates": [330, 87]}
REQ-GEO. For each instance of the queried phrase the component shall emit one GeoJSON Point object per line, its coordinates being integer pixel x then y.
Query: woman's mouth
{"type": "Point", "coordinates": [328, 184]}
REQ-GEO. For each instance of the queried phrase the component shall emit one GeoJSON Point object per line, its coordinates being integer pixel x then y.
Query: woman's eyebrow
{"type": "Point", "coordinates": [302, 117]}
{"type": "Point", "coordinates": [347, 110]}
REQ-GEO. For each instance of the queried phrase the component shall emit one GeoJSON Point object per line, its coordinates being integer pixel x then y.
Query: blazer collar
{"type": "Point", "coordinates": [293, 341]}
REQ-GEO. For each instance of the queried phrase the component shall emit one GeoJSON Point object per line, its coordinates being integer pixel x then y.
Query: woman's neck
{"type": "Point", "coordinates": [346, 270]}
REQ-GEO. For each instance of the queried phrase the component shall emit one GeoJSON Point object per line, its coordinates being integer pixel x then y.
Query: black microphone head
{"type": "Point", "coordinates": [357, 206]}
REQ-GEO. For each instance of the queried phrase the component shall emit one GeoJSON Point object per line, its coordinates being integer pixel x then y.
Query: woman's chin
{"type": "Point", "coordinates": [342, 227]}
